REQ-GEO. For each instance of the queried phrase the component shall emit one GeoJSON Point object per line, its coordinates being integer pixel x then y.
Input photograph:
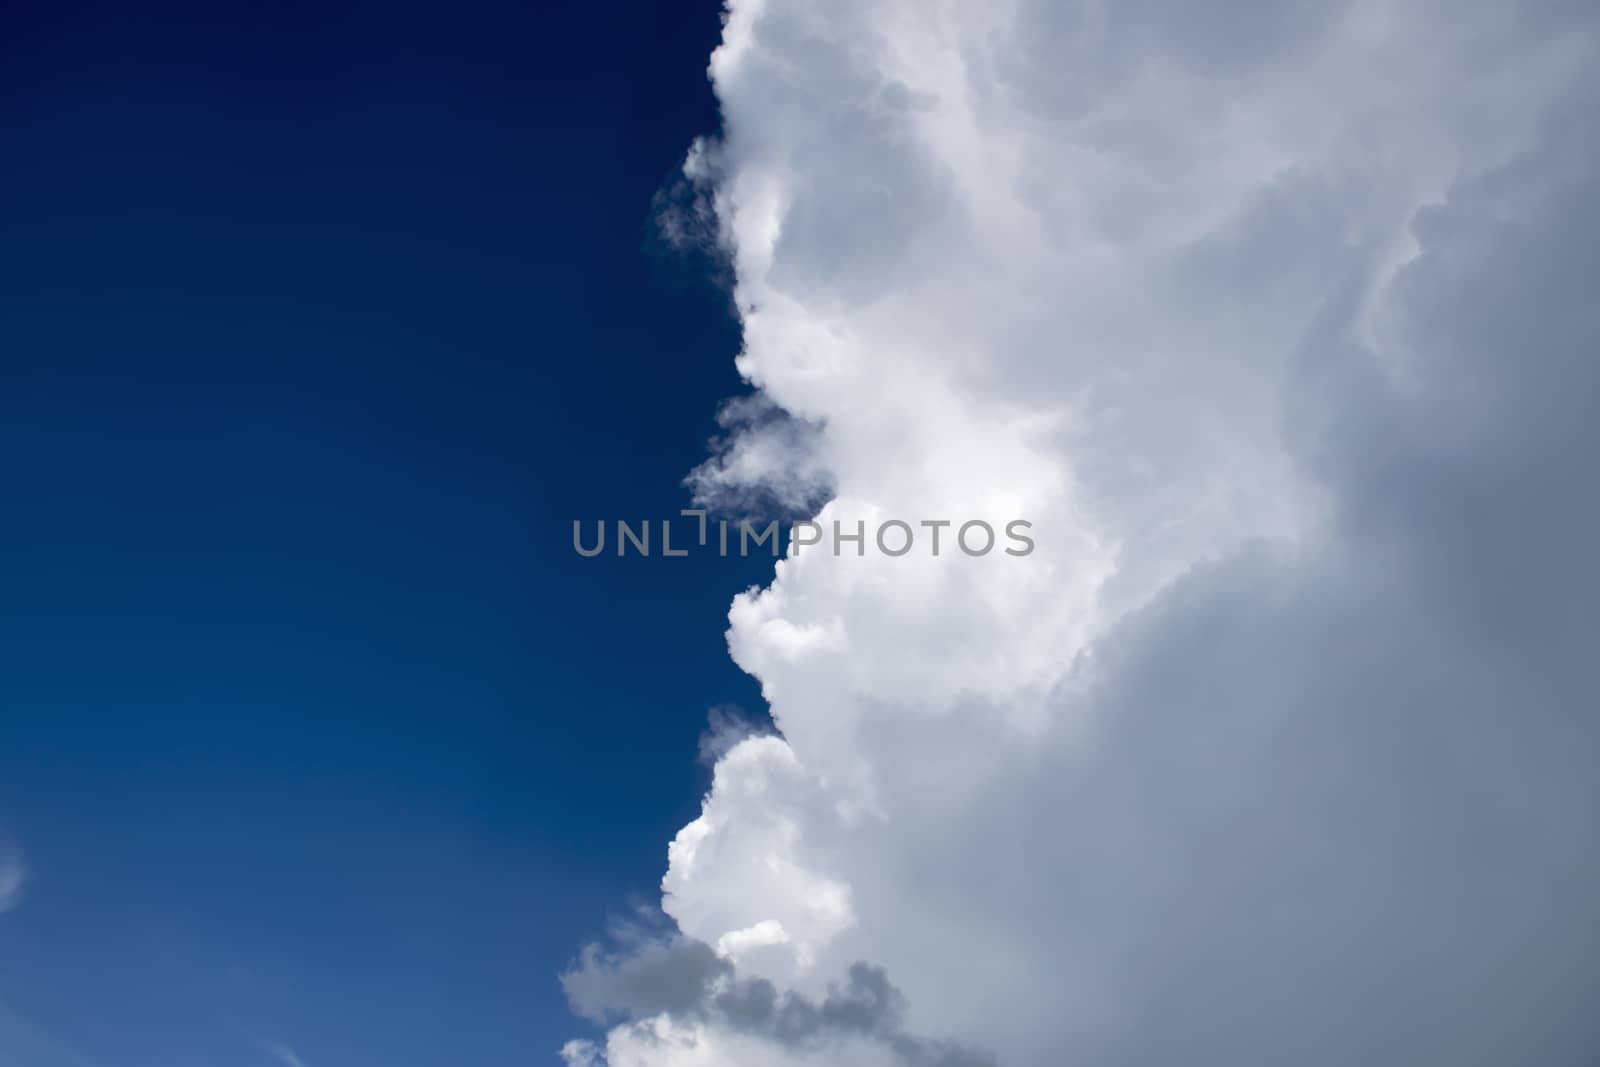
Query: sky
{"type": "Point", "coordinates": [1272, 327]}
{"type": "Point", "coordinates": [320, 325]}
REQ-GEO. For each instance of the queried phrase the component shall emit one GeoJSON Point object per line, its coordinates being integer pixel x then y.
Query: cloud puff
{"type": "Point", "coordinates": [1277, 325]}
{"type": "Point", "coordinates": [673, 976]}
{"type": "Point", "coordinates": [765, 464]}
{"type": "Point", "coordinates": [726, 726]}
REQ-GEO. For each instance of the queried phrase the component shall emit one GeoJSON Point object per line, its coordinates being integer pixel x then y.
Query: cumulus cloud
{"type": "Point", "coordinates": [1277, 325]}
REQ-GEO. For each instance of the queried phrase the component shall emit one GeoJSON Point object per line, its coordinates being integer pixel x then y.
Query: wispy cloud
{"type": "Point", "coordinates": [286, 1056]}
{"type": "Point", "coordinates": [26, 1045]}
{"type": "Point", "coordinates": [12, 875]}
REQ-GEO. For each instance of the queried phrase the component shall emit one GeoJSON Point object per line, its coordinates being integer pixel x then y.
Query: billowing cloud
{"type": "Point", "coordinates": [1277, 325]}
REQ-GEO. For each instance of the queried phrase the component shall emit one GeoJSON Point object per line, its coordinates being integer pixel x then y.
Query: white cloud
{"type": "Point", "coordinates": [1278, 325]}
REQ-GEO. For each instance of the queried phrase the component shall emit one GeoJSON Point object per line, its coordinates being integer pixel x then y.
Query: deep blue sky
{"type": "Point", "coordinates": [318, 326]}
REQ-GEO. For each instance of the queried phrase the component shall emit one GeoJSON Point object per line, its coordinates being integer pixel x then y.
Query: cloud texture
{"type": "Point", "coordinates": [1277, 323]}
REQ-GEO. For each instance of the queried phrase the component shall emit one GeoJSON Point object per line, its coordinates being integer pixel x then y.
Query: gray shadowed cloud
{"type": "Point", "coordinates": [765, 465]}
{"type": "Point", "coordinates": [686, 979]}
{"type": "Point", "coordinates": [1338, 802]}
{"type": "Point", "coordinates": [674, 976]}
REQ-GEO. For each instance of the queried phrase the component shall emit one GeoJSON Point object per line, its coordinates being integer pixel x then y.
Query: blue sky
{"type": "Point", "coordinates": [319, 325]}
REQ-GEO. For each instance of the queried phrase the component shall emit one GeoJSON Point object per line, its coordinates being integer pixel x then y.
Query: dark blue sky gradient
{"type": "Point", "coordinates": [318, 326]}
